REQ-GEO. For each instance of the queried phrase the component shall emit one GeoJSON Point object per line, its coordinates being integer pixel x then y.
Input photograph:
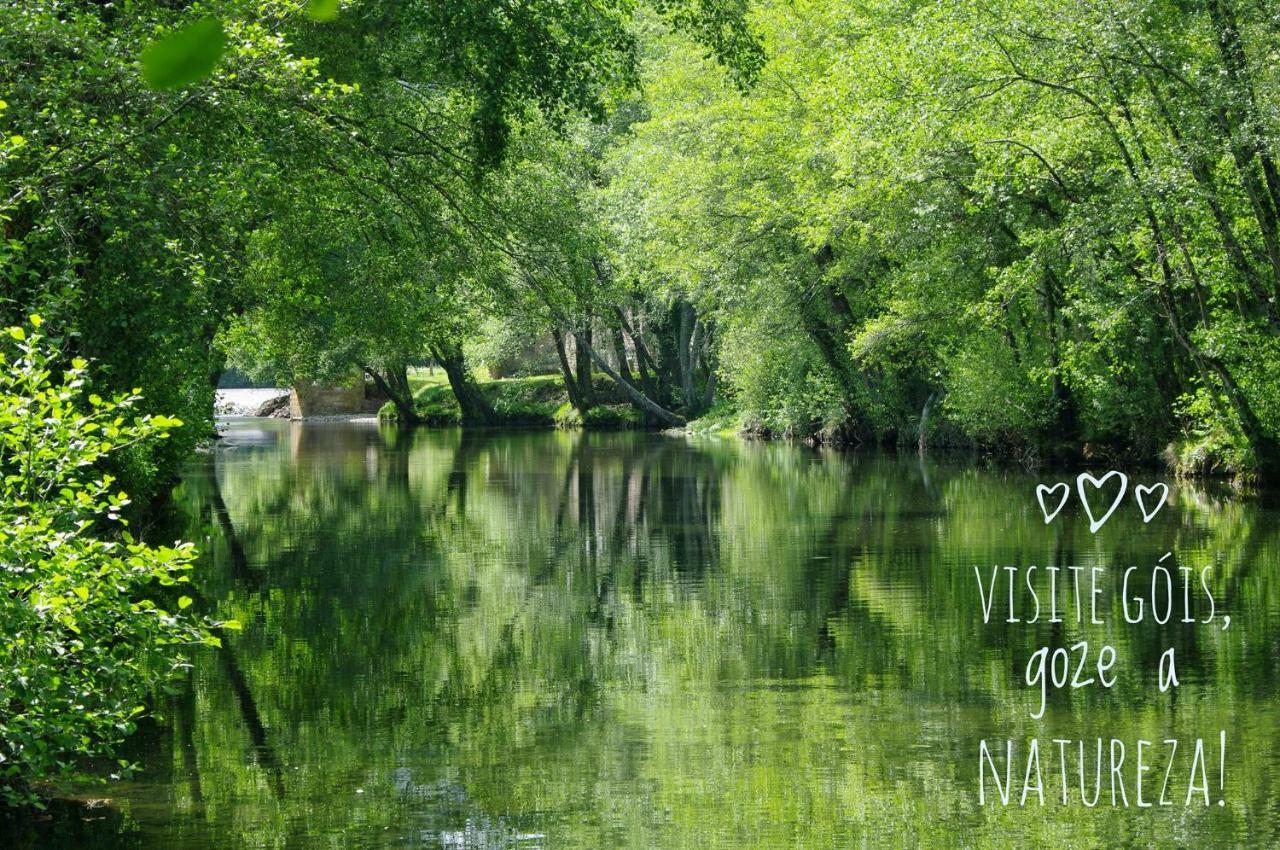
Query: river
{"type": "Point", "coordinates": [566, 640]}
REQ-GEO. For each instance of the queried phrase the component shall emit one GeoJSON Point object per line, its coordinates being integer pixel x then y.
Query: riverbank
{"type": "Point", "coordinates": [535, 401]}
{"type": "Point", "coordinates": [1197, 458]}
{"type": "Point", "coordinates": [541, 402]}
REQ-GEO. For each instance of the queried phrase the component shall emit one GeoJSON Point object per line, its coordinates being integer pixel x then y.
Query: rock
{"type": "Point", "coordinates": [277, 407]}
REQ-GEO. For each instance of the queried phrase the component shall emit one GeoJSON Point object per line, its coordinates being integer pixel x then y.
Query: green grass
{"type": "Point", "coordinates": [720, 421]}
{"type": "Point", "coordinates": [538, 401]}
{"type": "Point", "coordinates": [421, 378]}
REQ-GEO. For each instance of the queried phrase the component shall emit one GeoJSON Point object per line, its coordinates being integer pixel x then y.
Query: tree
{"type": "Point", "coordinates": [126, 208]}
{"type": "Point", "coordinates": [1054, 217]}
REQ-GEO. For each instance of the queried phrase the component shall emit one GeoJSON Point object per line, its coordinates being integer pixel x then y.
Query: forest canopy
{"type": "Point", "coordinates": [1043, 228]}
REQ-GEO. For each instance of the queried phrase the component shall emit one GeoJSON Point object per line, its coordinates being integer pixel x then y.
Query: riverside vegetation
{"type": "Point", "coordinates": [1045, 228]}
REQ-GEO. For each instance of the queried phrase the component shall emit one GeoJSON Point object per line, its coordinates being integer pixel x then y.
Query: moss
{"type": "Point", "coordinates": [437, 406]}
{"type": "Point", "coordinates": [523, 402]}
{"type": "Point", "coordinates": [528, 402]}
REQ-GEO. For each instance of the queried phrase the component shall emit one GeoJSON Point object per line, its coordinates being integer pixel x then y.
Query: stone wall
{"type": "Point", "coordinates": [334, 399]}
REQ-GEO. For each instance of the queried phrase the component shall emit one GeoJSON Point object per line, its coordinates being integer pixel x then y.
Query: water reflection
{"type": "Point", "coordinates": [463, 639]}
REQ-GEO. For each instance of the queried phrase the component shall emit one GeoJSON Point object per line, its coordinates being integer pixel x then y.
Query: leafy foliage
{"type": "Point", "coordinates": [87, 639]}
{"type": "Point", "coordinates": [1057, 218]}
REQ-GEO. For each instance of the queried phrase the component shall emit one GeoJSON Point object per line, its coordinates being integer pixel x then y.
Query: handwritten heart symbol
{"type": "Point", "coordinates": [1142, 490]}
{"type": "Point", "coordinates": [1043, 490]}
{"type": "Point", "coordinates": [1095, 524]}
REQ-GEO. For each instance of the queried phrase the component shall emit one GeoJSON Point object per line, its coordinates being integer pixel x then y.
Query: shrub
{"type": "Point", "coordinates": [779, 382]}
{"type": "Point", "coordinates": [612, 417]}
{"type": "Point", "coordinates": [86, 640]}
{"type": "Point", "coordinates": [529, 402]}
{"type": "Point", "coordinates": [437, 406]}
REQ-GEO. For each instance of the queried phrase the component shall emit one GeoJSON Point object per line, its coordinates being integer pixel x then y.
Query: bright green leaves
{"type": "Point", "coordinates": [322, 11]}
{"type": "Point", "coordinates": [187, 56]}
{"type": "Point", "coordinates": [73, 593]}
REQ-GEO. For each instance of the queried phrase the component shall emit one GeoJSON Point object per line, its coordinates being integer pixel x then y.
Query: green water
{"type": "Point", "coordinates": [554, 640]}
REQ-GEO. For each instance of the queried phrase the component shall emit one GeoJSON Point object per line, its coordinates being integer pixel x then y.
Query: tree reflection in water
{"type": "Point", "coordinates": [582, 640]}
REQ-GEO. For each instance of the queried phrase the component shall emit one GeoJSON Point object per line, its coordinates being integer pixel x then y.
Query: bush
{"type": "Point", "coordinates": [612, 417]}
{"type": "Point", "coordinates": [437, 406]}
{"type": "Point", "coordinates": [1209, 445]}
{"type": "Point", "coordinates": [779, 382]}
{"type": "Point", "coordinates": [722, 420]}
{"type": "Point", "coordinates": [567, 417]}
{"type": "Point", "coordinates": [991, 398]}
{"type": "Point", "coordinates": [86, 641]}
{"type": "Point", "coordinates": [529, 402]}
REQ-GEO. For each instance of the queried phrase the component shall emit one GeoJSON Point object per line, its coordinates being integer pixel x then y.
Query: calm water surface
{"type": "Point", "coordinates": [554, 640]}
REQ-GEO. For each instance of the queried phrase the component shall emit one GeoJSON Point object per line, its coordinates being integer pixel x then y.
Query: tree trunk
{"type": "Point", "coordinates": [634, 394]}
{"type": "Point", "coordinates": [620, 352]}
{"type": "Point", "coordinates": [566, 372]}
{"type": "Point", "coordinates": [1200, 168]}
{"type": "Point", "coordinates": [1242, 128]}
{"type": "Point", "coordinates": [830, 346]}
{"type": "Point", "coordinates": [476, 409]}
{"type": "Point", "coordinates": [644, 361]}
{"type": "Point", "coordinates": [924, 420]}
{"type": "Point", "coordinates": [684, 353]}
{"type": "Point", "coordinates": [395, 386]}
{"type": "Point", "coordinates": [582, 366]}
{"type": "Point", "coordinates": [1061, 395]}
{"type": "Point", "coordinates": [1231, 47]}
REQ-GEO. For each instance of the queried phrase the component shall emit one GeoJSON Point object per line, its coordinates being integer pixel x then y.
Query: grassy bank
{"type": "Point", "coordinates": [537, 401]}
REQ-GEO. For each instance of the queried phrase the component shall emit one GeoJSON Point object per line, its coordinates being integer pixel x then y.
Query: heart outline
{"type": "Point", "coordinates": [1043, 489]}
{"type": "Point", "coordinates": [1142, 490]}
{"type": "Point", "coordinates": [1095, 524]}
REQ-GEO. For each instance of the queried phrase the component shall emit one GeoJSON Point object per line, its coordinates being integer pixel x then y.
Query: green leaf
{"type": "Point", "coordinates": [184, 602]}
{"type": "Point", "coordinates": [185, 57]}
{"type": "Point", "coordinates": [83, 593]}
{"type": "Point", "coordinates": [322, 10]}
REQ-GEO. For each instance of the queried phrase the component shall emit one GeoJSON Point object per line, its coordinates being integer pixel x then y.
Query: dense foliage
{"type": "Point", "coordinates": [1052, 225]}
{"type": "Point", "coordinates": [87, 638]}
{"type": "Point", "coordinates": [1049, 228]}
{"type": "Point", "coordinates": [1044, 227]}
{"type": "Point", "coordinates": [126, 209]}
